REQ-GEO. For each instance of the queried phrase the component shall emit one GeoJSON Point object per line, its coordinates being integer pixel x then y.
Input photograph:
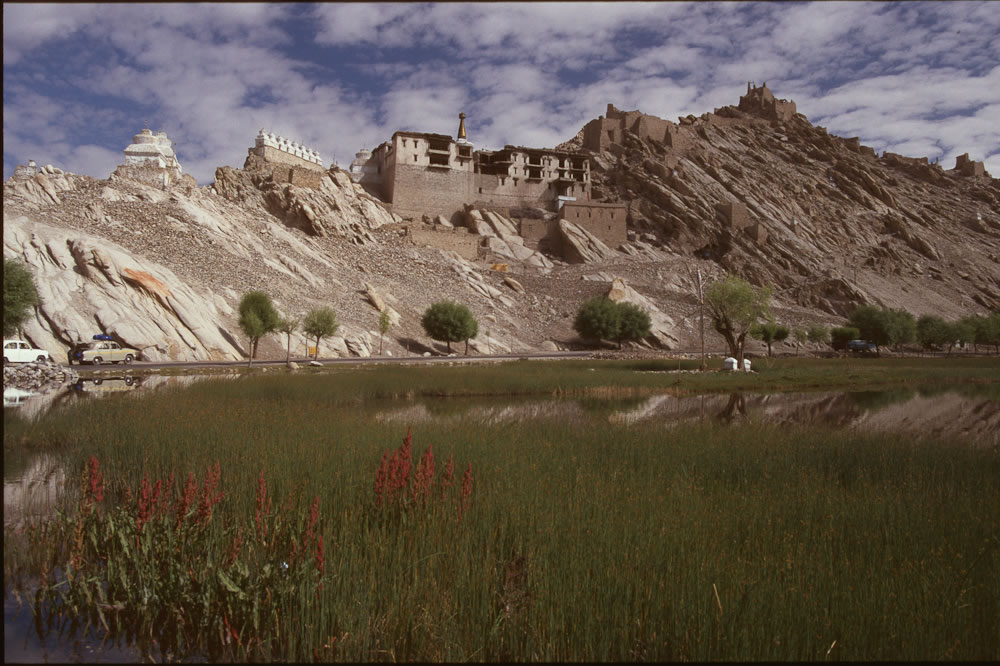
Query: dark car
{"type": "Point", "coordinates": [861, 347]}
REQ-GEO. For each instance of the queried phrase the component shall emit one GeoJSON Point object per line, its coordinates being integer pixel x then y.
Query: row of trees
{"type": "Point", "coordinates": [258, 317]}
{"type": "Point", "coordinates": [444, 320]}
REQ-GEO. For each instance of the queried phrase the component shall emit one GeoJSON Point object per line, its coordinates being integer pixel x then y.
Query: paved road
{"type": "Point", "coordinates": [141, 365]}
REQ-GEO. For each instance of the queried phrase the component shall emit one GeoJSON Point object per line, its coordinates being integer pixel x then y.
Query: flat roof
{"type": "Point", "coordinates": [422, 135]}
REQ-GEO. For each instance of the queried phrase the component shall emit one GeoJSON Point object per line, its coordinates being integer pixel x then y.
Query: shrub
{"type": "Point", "coordinates": [818, 333]}
{"type": "Point", "coordinates": [598, 319]}
{"type": "Point", "coordinates": [19, 295]}
{"type": "Point", "coordinates": [633, 323]}
{"type": "Point", "coordinates": [841, 335]}
{"type": "Point", "coordinates": [769, 332]}
{"type": "Point", "coordinates": [451, 322]}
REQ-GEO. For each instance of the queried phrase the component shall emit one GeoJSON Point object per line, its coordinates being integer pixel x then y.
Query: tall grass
{"type": "Point", "coordinates": [578, 541]}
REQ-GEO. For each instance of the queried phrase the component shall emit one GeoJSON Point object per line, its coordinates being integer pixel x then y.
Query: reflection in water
{"type": "Point", "coordinates": [948, 414]}
{"type": "Point", "coordinates": [34, 492]}
{"type": "Point", "coordinates": [31, 406]}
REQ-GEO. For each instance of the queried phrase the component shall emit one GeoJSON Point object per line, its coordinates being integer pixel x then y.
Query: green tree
{"type": "Point", "coordinates": [841, 335]}
{"type": "Point", "coordinates": [320, 323]}
{"type": "Point", "coordinates": [384, 324]}
{"type": "Point", "coordinates": [257, 318]}
{"type": "Point", "coordinates": [769, 332]}
{"type": "Point", "coordinates": [451, 322]}
{"type": "Point", "coordinates": [734, 306]}
{"type": "Point", "coordinates": [19, 295]}
{"type": "Point", "coordinates": [598, 319]}
{"type": "Point", "coordinates": [288, 325]}
{"type": "Point", "coordinates": [934, 332]}
{"type": "Point", "coordinates": [633, 323]}
{"type": "Point", "coordinates": [818, 333]}
{"type": "Point", "coordinates": [965, 330]}
{"type": "Point", "coordinates": [801, 335]}
{"type": "Point", "coordinates": [902, 327]}
{"type": "Point", "coordinates": [990, 330]}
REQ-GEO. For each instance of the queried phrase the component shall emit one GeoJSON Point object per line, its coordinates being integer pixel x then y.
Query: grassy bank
{"type": "Point", "coordinates": [569, 541]}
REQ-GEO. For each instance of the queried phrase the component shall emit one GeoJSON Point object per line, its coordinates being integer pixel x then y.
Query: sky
{"type": "Point", "coordinates": [79, 80]}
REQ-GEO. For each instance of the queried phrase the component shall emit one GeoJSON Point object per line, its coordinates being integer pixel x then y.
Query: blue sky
{"type": "Point", "coordinates": [917, 78]}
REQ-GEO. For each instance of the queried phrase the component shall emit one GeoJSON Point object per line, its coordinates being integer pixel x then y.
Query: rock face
{"type": "Point", "coordinates": [823, 220]}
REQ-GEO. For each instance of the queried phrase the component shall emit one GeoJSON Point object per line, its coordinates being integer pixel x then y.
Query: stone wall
{"type": "Point", "coordinates": [298, 176]}
{"type": "Point", "coordinates": [605, 221]}
{"type": "Point", "coordinates": [275, 156]}
{"type": "Point", "coordinates": [151, 175]}
{"type": "Point", "coordinates": [418, 190]}
{"type": "Point", "coordinates": [459, 240]}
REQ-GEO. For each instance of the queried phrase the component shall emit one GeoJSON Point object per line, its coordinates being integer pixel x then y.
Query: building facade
{"type": "Point", "coordinates": [420, 173]}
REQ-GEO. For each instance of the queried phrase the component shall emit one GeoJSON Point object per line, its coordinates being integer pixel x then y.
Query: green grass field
{"type": "Point", "coordinates": [568, 541]}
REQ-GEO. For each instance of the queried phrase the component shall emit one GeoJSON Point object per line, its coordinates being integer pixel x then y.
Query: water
{"type": "Point", "coordinates": [965, 415]}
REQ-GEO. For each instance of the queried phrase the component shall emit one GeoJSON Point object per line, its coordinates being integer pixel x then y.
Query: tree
{"type": "Point", "coordinates": [841, 335]}
{"type": "Point", "coordinates": [770, 332]}
{"type": "Point", "coordinates": [801, 335]}
{"type": "Point", "coordinates": [633, 323]}
{"type": "Point", "coordinates": [19, 295]}
{"type": "Point", "coordinates": [965, 330]}
{"type": "Point", "coordinates": [451, 322]}
{"type": "Point", "coordinates": [884, 327]}
{"type": "Point", "coordinates": [902, 327]}
{"type": "Point", "coordinates": [598, 319]}
{"type": "Point", "coordinates": [288, 326]}
{"type": "Point", "coordinates": [818, 333]}
{"type": "Point", "coordinates": [735, 305]}
{"type": "Point", "coordinates": [384, 323]}
{"type": "Point", "coordinates": [257, 318]}
{"type": "Point", "coordinates": [320, 323]}
{"type": "Point", "coordinates": [934, 332]}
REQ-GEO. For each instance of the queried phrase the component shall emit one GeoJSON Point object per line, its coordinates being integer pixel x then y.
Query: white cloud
{"type": "Point", "coordinates": [914, 76]}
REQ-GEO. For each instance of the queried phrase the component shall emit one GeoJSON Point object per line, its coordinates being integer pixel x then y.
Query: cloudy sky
{"type": "Point", "coordinates": [917, 78]}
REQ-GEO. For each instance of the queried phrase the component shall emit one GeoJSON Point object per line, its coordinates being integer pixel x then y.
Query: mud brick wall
{"type": "Point", "coordinates": [276, 156]}
{"type": "Point", "coordinates": [606, 221]}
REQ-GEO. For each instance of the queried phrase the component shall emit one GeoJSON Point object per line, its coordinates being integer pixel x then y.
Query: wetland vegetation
{"type": "Point", "coordinates": [273, 517]}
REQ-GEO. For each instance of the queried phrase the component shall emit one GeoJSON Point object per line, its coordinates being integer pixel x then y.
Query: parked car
{"type": "Point", "coordinates": [19, 351]}
{"type": "Point", "coordinates": [861, 347]}
{"type": "Point", "coordinates": [106, 351]}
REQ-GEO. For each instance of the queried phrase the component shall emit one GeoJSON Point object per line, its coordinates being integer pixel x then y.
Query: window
{"type": "Point", "coordinates": [480, 190]}
{"type": "Point", "coordinates": [414, 157]}
{"type": "Point", "coordinates": [10, 345]}
{"type": "Point", "coordinates": [404, 143]}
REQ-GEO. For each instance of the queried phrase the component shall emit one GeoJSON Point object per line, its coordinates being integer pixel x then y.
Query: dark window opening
{"type": "Point", "coordinates": [437, 159]}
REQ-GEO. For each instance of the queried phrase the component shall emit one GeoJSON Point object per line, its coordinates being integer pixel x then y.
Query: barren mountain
{"type": "Point", "coordinates": [826, 222]}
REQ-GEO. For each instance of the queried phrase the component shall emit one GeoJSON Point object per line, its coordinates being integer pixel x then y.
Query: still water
{"type": "Point", "coordinates": [965, 415]}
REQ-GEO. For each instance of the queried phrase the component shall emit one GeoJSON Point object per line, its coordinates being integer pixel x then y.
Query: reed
{"type": "Point", "coordinates": [569, 541]}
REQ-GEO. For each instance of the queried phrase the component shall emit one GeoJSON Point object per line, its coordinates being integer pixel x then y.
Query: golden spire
{"type": "Point", "coordinates": [461, 127]}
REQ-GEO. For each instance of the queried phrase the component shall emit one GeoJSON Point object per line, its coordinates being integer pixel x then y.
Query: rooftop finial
{"type": "Point", "coordinates": [461, 127]}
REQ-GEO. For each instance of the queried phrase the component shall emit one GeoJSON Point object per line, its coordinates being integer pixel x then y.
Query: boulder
{"type": "Point", "coordinates": [581, 247]}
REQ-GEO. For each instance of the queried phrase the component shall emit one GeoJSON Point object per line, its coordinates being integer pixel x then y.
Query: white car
{"type": "Point", "coordinates": [19, 351]}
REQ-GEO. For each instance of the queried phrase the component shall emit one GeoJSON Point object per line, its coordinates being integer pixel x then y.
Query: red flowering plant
{"type": "Point", "coordinates": [400, 489]}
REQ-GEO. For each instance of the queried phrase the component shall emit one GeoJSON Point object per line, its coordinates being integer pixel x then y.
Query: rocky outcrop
{"type": "Point", "coordinates": [582, 247]}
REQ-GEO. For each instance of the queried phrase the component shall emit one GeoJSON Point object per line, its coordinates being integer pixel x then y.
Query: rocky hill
{"type": "Point", "coordinates": [827, 223]}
